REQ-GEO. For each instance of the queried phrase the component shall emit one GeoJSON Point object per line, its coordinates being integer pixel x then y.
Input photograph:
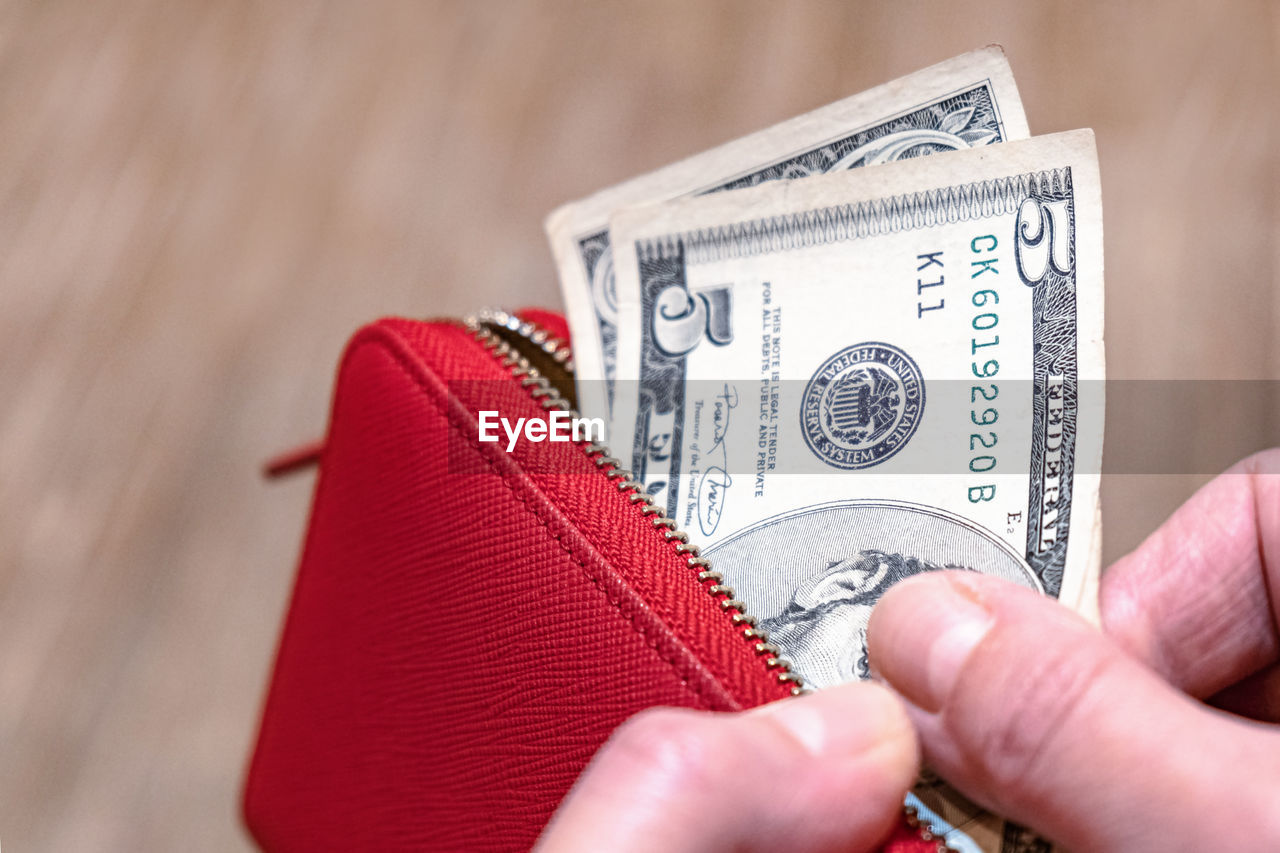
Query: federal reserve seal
{"type": "Point", "coordinates": [862, 405]}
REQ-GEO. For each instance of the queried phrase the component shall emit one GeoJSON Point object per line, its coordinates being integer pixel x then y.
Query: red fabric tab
{"type": "Point", "coordinates": [294, 459]}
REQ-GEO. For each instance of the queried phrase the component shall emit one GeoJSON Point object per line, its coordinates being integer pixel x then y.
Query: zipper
{"type": "Point", "coordinates": [548, 355]}
{"type": "Point", "coordinates": [543, 365]}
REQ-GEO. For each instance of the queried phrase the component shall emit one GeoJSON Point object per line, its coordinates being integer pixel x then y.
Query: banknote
{"type": "Point", "coordinates": [965, 102]}
{"type": "Point", "coordinates": [840, 381]}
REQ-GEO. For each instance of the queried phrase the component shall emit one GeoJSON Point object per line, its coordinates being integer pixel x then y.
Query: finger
{"type": "Point", "coordinates": [1257, 697]}
{"type": "Point", "coordinates": [1038, 716]}
{"type": "Point", "coordinates": [824, 772]}
{"type": "Point", "coordinates": [1199, 600]}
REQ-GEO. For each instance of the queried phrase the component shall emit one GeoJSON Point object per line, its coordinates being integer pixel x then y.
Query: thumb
{"type": "Point", "coordinates": [1038, 716]}
{"type": "Point", "coordinates": [824, 772]}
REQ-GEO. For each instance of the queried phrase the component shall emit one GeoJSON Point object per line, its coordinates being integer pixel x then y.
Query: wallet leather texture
{"type": "Point", "coordinates": [469, 625]}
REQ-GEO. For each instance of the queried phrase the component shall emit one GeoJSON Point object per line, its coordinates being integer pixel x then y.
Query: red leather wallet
{"type": "Point", "coordinates": [469, 624]}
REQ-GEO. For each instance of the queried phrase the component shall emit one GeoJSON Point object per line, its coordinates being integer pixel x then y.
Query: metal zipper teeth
{"type": "Point", "coordinates": [560, 351]}
{"type": "Point", "coordinates": [557, 348]}
{"type": "Point", "coordinates": [926, 830]}
{"type": "Point", "coordinates": [549, 398]}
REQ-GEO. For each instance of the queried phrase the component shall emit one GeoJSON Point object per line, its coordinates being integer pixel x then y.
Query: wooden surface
{"type": "Point", "coordinates": [200, 201]}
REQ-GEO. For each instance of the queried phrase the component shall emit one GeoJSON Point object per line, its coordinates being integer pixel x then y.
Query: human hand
{"type": "Point", "coordinates": [822, 772]}
{"type": "Point", "coordinates": [1092, 739]}
{"type": "Point", "coordinates": [1096, 740]}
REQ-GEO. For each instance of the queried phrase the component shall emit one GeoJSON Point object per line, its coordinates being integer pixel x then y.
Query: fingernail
{"type": "Point", "coordinates": [845, 720]}
{"type": "Point", "coordinates": [920, 635]}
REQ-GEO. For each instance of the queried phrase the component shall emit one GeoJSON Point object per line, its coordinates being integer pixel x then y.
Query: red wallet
{"type": "Point", "coordinates": [468, 624]}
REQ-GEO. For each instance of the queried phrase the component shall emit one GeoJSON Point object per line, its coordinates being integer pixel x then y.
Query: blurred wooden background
{"type": "Point", "coordinates": [200, 201]}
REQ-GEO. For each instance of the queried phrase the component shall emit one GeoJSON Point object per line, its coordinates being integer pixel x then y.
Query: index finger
{"type": "Point", "coordinates": [1199, 600]}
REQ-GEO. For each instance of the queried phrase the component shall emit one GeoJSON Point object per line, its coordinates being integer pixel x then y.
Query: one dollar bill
{"type": "Point", "coordinates": [965, 102]}
{"type": "Point", "coordinates": [837, 382]}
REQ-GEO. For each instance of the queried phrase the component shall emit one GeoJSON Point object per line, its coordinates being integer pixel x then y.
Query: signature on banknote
{"type": "Point", "coordinates": [713, 485]}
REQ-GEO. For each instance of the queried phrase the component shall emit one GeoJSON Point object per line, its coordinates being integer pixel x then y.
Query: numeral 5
{"type": "Point", "coordinates": [681, 318]}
